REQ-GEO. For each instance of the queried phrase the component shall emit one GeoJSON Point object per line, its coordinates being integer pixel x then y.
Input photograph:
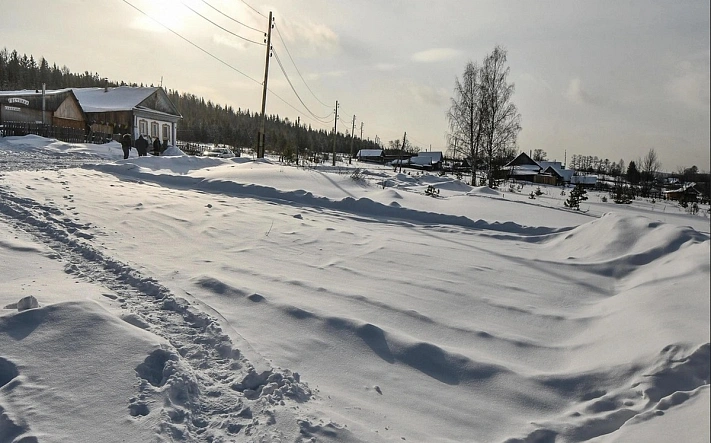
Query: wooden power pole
{"type": "Point", "coordinates": [352, 137]}
{"type": "Point", "coordinates": [335, 122]}
{"type": "Point", "coordinates": [260, 134]}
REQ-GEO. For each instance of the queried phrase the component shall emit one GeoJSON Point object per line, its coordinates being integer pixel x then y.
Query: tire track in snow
{"type": "Point", "coordinates": [202, 388]}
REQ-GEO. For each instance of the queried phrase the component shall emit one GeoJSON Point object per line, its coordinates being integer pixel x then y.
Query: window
{"type": "Point", "coordinates": [154, 129]}
{"type": "Point", "coordinates": [142, 127]}
{"type": "Point", "coordinates": [166, 132]}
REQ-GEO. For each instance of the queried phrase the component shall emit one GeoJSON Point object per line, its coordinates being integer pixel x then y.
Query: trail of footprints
{"type": "Point", "coordinates": [202, 388]}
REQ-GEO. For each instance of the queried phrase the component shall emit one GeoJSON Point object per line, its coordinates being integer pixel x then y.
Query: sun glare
{"type": "Point", "coordinates": [169, 13]}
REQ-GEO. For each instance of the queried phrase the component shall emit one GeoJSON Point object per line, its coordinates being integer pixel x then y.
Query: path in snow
{"type": "Point", "coordinates": [206, 388]}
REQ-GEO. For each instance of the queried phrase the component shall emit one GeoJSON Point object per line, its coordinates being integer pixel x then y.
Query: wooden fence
{"type": "Point", "coordinates": [71, 135]}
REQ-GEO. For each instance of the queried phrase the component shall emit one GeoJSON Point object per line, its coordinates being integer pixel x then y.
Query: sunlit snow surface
{"type": "Point", "coordinates": [200, 299]}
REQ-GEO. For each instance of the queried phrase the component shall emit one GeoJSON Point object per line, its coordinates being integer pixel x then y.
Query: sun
{"type": "Point", "coordinates": [161, 14]}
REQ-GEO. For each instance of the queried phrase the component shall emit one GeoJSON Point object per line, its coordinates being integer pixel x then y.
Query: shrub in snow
{"type": "Point", "coordinates": [538, 191]}
{"type": "Point", "coordinates": [28, 302]}
{"type": "Point", "coordinates": [622, 195]}
{"type": "Point", "coordinates": [432, 191]}
{"type": "Point", "coordinates": [357, 174]}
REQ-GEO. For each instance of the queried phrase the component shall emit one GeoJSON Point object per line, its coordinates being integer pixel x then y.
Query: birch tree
{"type": "Point", "coordinates": [503, 121]}
{"type": "Point", "coordinates": [465, 117]}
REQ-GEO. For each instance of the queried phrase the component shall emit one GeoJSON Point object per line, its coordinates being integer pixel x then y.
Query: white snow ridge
{"type": "Point", "coordinates": [162, 299]}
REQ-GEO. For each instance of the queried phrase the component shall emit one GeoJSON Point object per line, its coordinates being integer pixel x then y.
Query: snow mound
{"type": "Point", "coordinates": [601, 404]}
{"type": "Point", "coordinates": [85, 339]}
{"type": "Point", "coordinates": [172, 151]}
{"type": "Point", "coordinates": [637, 239]}
{"type": "Point", "coordinates": [484, 190]}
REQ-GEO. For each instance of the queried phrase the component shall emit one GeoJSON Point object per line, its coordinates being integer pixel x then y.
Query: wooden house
{"type": "Point", "coordinates": [429, 161]}
{"type": "Point", "coordinates": [371, 155]}
{"type": "Point", "coordinates": [525, 168]}
{"type": "Point", "coordinates": [137, 111]}
{"type": "Point", "coordinates": [687, 193]}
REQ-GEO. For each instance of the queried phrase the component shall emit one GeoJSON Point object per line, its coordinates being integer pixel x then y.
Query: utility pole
{"type": "Point", "coordinates": [260, 134]}
{"type": "Point", "coordinates": [352, 137]}
{"type": "Point", "coordinates": [404, 136]}
{"type": "Point", "coordinates": [298, 137]}
{"type": "Point", "coordinates": [335, 122]}
{"type": "Point", "coordinates": [361, 130]}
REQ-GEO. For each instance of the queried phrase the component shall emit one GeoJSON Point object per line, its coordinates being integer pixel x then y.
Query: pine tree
{"type": "Point", "coordinates": [577, 195]}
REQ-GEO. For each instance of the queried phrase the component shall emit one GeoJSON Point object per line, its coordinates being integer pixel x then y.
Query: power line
{"type": "Point", "coordinates": [250, 7]}
{"type": "Point", "coordinates": [297, 110]}
{"type": "Point", "coordinates": [226, 30]}
{"type": "Point", "coordinates": [219, 59]}
{"type": "Point", "coordinates": [193, 44]}
{"type": "Point", "coordinates": [297, 69]}
{"type": "Point", "coordinates": [281, 66]}
{"type": "Point", "coordinates": [234, 20]}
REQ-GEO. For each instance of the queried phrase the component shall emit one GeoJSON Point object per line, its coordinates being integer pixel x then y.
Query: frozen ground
{"type": "Point", "coordinates": [199, 299]}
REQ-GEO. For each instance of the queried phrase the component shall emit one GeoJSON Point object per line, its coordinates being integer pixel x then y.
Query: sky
{"type": "Point", "coordinates": [183, 298]}
{"type": "Point", "coordinates": [606, 78]}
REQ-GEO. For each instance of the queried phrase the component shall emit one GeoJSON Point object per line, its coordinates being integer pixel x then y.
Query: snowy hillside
{"type": "Point", "coordinates": [202, 299]}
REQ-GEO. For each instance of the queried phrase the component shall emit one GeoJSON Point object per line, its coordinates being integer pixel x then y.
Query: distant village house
{"type": "Point", "coordinates": [525, 168]}
{"type": "Point", "coordinates": [371, 155]}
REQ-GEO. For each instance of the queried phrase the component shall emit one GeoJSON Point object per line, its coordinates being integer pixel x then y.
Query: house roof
{"type": "Point", "coordinates": [565, 174]}
{"type": "Point", "coordinates": [126, 98]}
{"type": "Point", "coordinates": [53, 99]}
{"type": "Point", "coordinates": [123, 98]}
{"type": "Point", "coordinates": [522, 160]}
{"type": "Point", "coordinates": [686, 187]}
{"type": "Point", "coordinates": [434, 156]}
{"type": "Point", "coordinates": [370, 153]}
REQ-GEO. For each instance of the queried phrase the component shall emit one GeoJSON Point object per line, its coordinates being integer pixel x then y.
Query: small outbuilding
{"type": "Point", "coordinates": [55, 113]}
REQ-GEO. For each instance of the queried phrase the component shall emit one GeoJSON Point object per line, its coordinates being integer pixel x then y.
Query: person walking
{"type": "Point", "coordinates": [156, 146]}
{"type": "Point", "coordinates": [126, 144]}
{"type": "Point", "coordinates": [142, 146]}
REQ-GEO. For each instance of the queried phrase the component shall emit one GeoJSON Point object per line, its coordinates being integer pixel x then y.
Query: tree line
{"type": "Point", "coordinates": [203, 121]}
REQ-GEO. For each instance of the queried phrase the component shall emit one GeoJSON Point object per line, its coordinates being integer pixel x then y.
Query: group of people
{"type": "Point", "coordinates": [141, 145]}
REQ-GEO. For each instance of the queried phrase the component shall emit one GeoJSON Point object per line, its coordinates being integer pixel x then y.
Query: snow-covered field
{"type": "Point", "coordinates": [209, 300]}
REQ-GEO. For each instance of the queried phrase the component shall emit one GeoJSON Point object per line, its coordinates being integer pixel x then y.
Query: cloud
{"type": "Point", "coordinates": [385, 66]}
{"type": "Point", "coordinates": [309, 39]}
{"type": "Point", "coordinates": [534, 82]}
{"type": "Point", "coordinates": [690, 86]}
{"type": "Point", "coordinates": [435, 55]}
{"type": "Point", "coordinates": [232, 42]}
{"type": "Point", "coordinates": [576, 94]}
{"type": "Point", "coordinates": [325, 74]}
{"type": "Point", "coordinates": [427, 94]}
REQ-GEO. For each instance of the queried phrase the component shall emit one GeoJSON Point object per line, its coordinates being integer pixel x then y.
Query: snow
{"type": "Point", "coordinates": [122, 98]}
{"type": "Point", "coordinates": [183, 298]}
